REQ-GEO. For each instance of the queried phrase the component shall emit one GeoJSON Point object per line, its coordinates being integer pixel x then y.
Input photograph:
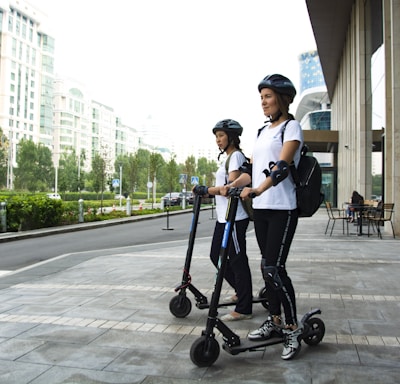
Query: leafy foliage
{"type": "Point", "coordinates": [3, 158]}
{"type": "Point", "coordinates": [35, 170]}
{"type": "Point", "coordinates": [32, 212]}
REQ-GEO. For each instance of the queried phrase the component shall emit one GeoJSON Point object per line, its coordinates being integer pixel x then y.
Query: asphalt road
{"type": "Point", "coordinates": [18, 254]}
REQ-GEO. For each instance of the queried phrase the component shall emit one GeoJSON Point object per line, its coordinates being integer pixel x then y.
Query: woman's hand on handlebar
{"type": "Point", "coordinates": [224, 190]}
{"type": "Point", "coordinates": [248, 192]}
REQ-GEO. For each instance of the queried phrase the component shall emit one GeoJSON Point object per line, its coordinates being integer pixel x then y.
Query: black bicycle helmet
{"type": "Point", "coordinates": [278, 83]}
{"type": "Point", "coordinates": [228, 126]}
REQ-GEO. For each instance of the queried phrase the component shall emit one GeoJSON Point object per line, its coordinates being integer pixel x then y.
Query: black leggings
{"type": "Point", "coordinates": [237, 272]}
{"type": "Point", "coordinates": [274, 232]}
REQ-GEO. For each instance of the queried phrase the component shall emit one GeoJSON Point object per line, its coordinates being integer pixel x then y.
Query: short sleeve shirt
{"type": "Point", "coordinates": [267, 148]}
{"type": "Point", "coordinates": [236, 160]}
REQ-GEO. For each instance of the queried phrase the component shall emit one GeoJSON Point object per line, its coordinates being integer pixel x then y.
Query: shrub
{"type": "Point", "coordinates": [33, 212]}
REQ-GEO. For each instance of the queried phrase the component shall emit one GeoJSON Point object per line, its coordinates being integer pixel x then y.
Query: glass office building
{"type": "Point", "coordinates": [311, 75]}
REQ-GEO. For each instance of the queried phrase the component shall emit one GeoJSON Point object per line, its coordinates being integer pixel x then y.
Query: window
{"type": "Point", "coordinates": [14, 48]}
{"type": "Point", "coordinates": [10, 23]}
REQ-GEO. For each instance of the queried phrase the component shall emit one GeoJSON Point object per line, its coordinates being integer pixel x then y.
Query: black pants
{"type": "Point", "coordinates": [237, 272]}
{"type": "Point", "coordinates": [274, 232]}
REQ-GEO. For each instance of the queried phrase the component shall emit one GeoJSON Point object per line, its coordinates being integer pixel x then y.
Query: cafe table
{"type": "Point", "coordinates": [360, 209]}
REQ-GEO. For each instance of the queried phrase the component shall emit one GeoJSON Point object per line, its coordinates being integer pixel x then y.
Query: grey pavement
{"type": "Point", "coordinates": [103, 317]}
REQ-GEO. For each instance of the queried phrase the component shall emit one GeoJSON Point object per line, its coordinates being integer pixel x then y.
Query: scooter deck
{"type": "Point", "coordinates": [256, 300]}
{"type": "Point", "coordinates": [249, 345]}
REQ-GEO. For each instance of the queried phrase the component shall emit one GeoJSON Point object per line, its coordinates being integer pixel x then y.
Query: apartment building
{"type": "Point", "coordinates": [61, 113]}
{"type": "Point", "coordinates": [26, 78]}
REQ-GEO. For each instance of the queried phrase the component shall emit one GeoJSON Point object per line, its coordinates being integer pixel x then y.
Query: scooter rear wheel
{"type": "Point", "coordinates": [316, 331]}
{"type": "Point", "coordinates": [204, 351]}
{"type": "Point", "coordinates": [180, 306]}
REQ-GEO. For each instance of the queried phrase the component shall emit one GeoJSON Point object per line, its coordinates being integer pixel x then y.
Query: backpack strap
{"type": "Point", "coordinates": [227, 166]}
{"type": "Point", "coordinates": [227, 163]}
{"type": "Point", "coordinates": [292, 167]}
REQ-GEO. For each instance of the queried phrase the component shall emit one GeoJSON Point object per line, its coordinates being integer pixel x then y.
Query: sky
{"type": "Point", "coordinates": [181, 64]}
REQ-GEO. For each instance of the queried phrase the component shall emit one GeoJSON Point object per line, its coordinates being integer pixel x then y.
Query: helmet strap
{"type": "Point", "coordinates": [271, 119]}
{"type": "Point", "coordinates": [221, 152]}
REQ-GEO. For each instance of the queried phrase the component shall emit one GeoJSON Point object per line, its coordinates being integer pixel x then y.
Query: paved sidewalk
{"type": "Point", "coordinates": [103, 317]}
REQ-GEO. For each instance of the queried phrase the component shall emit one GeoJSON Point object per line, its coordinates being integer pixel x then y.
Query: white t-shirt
{"type": "Point", "coordinates": [236, 160]}
{"type": "Point", "coordinates": [267, 148]}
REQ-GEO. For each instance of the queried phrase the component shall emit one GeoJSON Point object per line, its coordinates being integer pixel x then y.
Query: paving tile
{"type": "Point", "coordinates": [94, 319]}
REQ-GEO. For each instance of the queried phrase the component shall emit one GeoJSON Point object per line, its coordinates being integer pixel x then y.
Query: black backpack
{"type": "Point", "coordinates": [308, 179]}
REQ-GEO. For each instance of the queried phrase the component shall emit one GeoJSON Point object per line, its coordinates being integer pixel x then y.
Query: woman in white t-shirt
{"type": "Point", "coordinates": [277, 145]}
{"type": "Point", "coordinates": [237, 273]}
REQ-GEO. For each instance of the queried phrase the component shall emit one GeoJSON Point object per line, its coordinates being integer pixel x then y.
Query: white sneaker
{"type": "Point", "coordinates": [265, 331]}
{"type": "Point", "coordinates": [292, 344]}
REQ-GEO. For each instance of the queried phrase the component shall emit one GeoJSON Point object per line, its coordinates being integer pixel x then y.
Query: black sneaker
{"type": "Point", "coordinates": [292, 344]}
{"type": "Point", "coordinates": [265, 331]}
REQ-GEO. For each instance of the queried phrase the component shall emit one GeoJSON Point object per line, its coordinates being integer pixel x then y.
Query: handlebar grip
{"type": "Point", "coordinates": [252, 195]}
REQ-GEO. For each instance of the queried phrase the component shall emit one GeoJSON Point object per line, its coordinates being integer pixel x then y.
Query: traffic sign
{"type": "Point", "coordinates": [182, 178]}
{"type": "Point", "coordinates": [194, 180]}
{"type": "Point", "coordinates": [115, 183]}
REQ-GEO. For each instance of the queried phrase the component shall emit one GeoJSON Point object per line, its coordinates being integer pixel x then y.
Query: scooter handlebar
{"type": "Point", "coordinates": [237, 191]}
{"type": "Point", "coordinates": [234, 192]}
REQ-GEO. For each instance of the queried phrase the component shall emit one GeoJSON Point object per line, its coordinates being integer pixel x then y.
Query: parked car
{"type": "Point", "coordinates": [173, 198]}
{"type": "Point", "coordinates": [54, 196]}
{"type": "Point", "coordinates": [189, 198]}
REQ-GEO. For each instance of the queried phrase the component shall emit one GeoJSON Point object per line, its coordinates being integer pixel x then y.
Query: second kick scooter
{"type": "Point", "coordinates": [180, 305]}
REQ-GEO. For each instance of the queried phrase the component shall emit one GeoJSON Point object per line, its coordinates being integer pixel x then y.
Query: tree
{"type": "Point", "coordinates": [143, 159]}
{"type": "Point", "coordinates": [68, 172]}
{"type": "Point", "coordinates": [3, 159]}
{"type": "Point", "coordinates": [156, 161]}
{"type": "Point", "coordinates": [35, 171]}
{"type": "Point", "coordinates": [172, 175]}
{"type": "Point", "coordinates": [132, 174]}
{"type": "Point", "coordinates": [190, 166]}
{"type": "Point", "coordinates": [206, 169]}
{"type": "Point", "coordinates": [98, 174]}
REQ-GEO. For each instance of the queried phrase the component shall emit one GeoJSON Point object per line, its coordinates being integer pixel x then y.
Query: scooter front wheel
{"type": "Point", "coordinates": [180, 306]}
{"type": "Point", "coordinates": [316, 331]}
{"type": "Point", "coordinates": [204, 351]}
{"type": "Point", "coordinates": [262, 294]}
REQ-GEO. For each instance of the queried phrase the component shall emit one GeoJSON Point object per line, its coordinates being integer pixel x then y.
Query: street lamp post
{"type": "Point", "coordinates": [120, 185]}
{"type": "Point", "coordinates": [56, 180]}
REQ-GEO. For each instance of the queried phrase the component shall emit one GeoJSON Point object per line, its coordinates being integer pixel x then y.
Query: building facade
{"type": "Point", "coordinates": [26, 78]}
{"type": "Point", "coordinates": [349, 34]}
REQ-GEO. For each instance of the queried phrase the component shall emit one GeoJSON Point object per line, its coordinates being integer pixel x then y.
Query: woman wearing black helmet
{"type": "Point", "coordinates": [275, 213]}
{"type": "Point", "coordinates": [238, 273]}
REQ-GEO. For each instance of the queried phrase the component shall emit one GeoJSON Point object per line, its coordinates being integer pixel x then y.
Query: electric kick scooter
{"type": "Point", "coordinates": [180, 305]}
{"type": "Point", "coordinates": [205, 350]}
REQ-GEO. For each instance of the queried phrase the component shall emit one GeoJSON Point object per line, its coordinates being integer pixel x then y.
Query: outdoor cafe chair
{"type": "Point", "coordinates": [336, 214]}
{"type": "Point", "coordinates": [383, 213]}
